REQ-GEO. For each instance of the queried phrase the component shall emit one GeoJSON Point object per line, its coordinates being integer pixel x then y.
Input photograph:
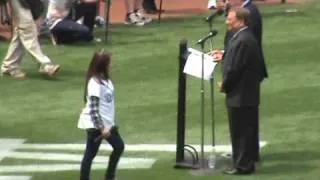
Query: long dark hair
{"type": "Point", "coordinates": [98, 68]}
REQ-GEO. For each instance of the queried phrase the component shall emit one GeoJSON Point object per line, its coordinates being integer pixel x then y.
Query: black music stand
{"type": "Point", "coordinates": [182, 161]}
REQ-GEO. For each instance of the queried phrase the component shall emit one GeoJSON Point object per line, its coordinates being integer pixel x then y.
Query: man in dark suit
{"type": "Point", "coordinates": [255, 26]}
{"type": "Point", "coordinates": [241, 83]}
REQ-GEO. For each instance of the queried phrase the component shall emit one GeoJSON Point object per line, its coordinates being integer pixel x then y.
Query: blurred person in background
{"type": "Point", "coordinates": [25, 38]}
{"type": "Point", "coordinates": [134, 13]}
{"type": "Point", "coordinates": [85, 12]}
{"type": "Point", "coordinates": [70, 21]}
{"type": "Point", "coordinates": [212, 4]}
{"type": "Point", "coordinates": [150, 7]}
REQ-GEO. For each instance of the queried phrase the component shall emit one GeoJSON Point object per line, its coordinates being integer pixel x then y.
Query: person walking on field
{"type": "Point", "coordinates": [25, 38]}
{"type": "Point", "coordinates": [98, 116]}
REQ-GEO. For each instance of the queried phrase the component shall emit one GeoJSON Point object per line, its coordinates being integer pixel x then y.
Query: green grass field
{"type": "Point", "coordinates": [145, 63]}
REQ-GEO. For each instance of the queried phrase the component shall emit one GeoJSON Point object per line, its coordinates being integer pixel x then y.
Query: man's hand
{"type": "Point", "coordinates": [216, 54]}
{"type": "Point", "coordinates": [220, 86]}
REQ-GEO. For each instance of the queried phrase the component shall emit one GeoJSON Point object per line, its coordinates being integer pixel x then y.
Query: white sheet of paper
{"type": "Point", "coordinates": [193, 65]}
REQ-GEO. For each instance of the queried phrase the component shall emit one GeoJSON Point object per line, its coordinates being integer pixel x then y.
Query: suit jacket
{"type": "Point", "coordinates": [255, 25]}
{"type": "Point", "coordinates": [241, 70]}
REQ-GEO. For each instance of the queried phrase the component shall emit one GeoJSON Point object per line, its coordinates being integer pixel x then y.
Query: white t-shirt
{"type": "Point", "coordinates": [105, 93]}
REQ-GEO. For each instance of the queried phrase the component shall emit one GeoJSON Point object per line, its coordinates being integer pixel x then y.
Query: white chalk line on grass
{"type": "Point", "coordinates": [99, 162]}
{"type": "Point", "coordinates": [131, 148]}
{"type": "Point", "coordinates": [8, 147]}
{"type": "Point", "coordinates": [28, 168]}
{"type": "Point", "coordinates": [70, 157]}
{"type": "Point", "coordinates": [15, 177]}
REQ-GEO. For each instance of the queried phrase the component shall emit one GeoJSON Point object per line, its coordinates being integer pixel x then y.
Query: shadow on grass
{"type": "Point", "coordinates": [297, 156]}
{"type": "Point", "coordinates": [61, 76]}
{"type": "Point", "coordinates": [285, 168]}
{"type": "Point", "coordinates": [288, 162]}
{"type": "Point", "coordinates": [44, 77]}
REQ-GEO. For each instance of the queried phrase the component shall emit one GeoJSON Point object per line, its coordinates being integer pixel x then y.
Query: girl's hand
{"type": "Point", "coordinates": [105, 132]}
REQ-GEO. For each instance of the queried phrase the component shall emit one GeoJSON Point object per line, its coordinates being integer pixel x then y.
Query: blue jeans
{"type": "Point", "coordinates": [92, 148]}
{"type": "Point", "coordinates": [68, 31]}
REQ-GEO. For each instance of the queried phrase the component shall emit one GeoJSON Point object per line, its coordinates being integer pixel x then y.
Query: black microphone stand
{"type": "Point", "coordinates": [212, 99]}
{"type": "Point", "coordinates": [202, 163]}
{"type": "Point", "coordinates": [203, 166]}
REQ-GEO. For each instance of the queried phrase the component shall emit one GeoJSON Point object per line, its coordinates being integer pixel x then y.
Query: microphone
{"type": "Point", "coordinates": [211, 34]}
{"type": "Point", "coordinates": [217, 13]}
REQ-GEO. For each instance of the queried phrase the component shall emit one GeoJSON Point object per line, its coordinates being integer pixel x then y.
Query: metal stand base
{"type": "Point", "coordinates": [220, 164]}
{"type": "Point", "coordinates": [188, 163]}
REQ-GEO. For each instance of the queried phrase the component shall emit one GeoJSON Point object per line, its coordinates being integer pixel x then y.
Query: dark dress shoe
{"type": "Point", "coordinates": [237, 171]}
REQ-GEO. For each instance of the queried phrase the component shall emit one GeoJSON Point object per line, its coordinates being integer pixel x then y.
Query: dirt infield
{"type": "Point", "coordinates": [176, 7]}
{"type": "Point", "coordinates": [171, 7]}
